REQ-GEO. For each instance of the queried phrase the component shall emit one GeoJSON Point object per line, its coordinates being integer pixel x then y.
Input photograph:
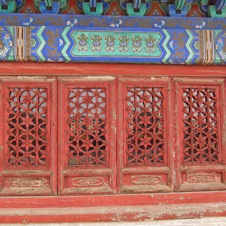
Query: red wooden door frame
{"type": "Point", "coordinates": [81, 173]}
{"type": "Point", "coordinates": [120, 207]}
{"type": "Point", "coordinates": [29, 96]}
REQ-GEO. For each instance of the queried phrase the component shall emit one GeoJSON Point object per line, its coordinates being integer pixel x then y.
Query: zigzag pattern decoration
{"type": "Point", "coordinates": [68, 38]}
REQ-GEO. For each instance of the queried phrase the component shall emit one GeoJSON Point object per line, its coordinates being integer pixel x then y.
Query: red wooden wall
{"type": "Point", "coordinates": [111, 136]}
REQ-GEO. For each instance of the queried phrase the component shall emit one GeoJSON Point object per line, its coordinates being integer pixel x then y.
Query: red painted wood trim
{"type": "Point", "coordinates": [103, 214]}
{"type": "Point", "coordinates": [112, 208]}
{"type": "Point", "coordinates": [113, 200]}
{"type": "Point", "coordinates": [109, 69]}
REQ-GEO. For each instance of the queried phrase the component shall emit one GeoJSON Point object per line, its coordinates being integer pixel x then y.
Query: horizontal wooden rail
{"type": "Point", "coordinates": [136, 70]}
{"type": "Point", "coordinates": [112, 208]}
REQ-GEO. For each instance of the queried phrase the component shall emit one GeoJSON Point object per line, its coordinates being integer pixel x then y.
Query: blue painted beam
{"type": "Point", "coordinates": [82, 38]}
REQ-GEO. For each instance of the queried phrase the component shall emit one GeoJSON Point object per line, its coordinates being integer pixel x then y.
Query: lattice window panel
{"type": "Point", "coordinates": [201, 126]}
{"type": "Point", "coordinates": [87, 122]}
{"type": "Point", "coordinates": [27, 132]}
{"type": "Point", "coordinates": [145, 126]}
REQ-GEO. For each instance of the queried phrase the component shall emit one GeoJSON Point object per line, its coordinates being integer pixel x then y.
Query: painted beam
{"type": "Point", "coordinates": [82, 38]}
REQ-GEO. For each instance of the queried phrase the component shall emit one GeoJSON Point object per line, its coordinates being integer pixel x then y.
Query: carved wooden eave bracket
{"type": "Point", "coordinates": [134, 39]}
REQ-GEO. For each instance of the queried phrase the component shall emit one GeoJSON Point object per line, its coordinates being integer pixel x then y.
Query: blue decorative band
{"type": "Point", "coordinates": [66, 38]}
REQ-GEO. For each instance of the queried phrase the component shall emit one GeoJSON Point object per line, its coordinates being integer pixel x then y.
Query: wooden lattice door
{"type": "Point", "coordinates": [72, 135]}
{"type": "Point", "coordinates": [201, 130]}
{"type": "Point", "coordinates": [87, 136]}
{"type": "Point", "coordinates": [28, 137]}
{"type": "Point", "coordinates": [145, 153]}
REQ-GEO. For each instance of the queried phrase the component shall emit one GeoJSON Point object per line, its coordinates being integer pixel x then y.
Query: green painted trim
{"type": "Point", "coordinates": [64, 35]}
{"type": "Point", "coordinates": [11, 7]}
{"type": "Point", "coordinates": [42, 41]}
{"type": "Point", "coordinates": [130, 10]}
{"type": "Point", "coordinates": [213, 13]}
{"type": "Point", "coordinates": [87, 11]}
{"type": "Point", "coordinates": [164, 45]}
{"type": "Point", "coordinates": [191, 54]}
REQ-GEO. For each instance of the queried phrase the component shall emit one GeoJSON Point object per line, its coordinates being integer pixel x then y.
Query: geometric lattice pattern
{"type": "Point", "coordinates": [145, 126]}
{"type": "Point", "coordinates": [27, 126]}
{"type": "Point", "coordinates": [87, 127]}
{"type": "Point", "coordinates": [200, 143]}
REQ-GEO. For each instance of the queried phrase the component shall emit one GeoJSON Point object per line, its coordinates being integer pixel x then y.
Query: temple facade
{"type": "Point", "coordinates": [112, 110]}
